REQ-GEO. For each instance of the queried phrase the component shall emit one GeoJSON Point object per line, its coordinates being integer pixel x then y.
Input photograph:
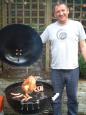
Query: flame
{"type": "Point", "coordinates": [29, 85]}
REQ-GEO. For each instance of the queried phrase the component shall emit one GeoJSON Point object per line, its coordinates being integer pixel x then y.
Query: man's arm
{"type": "Point", "coordinates": [83, 48]}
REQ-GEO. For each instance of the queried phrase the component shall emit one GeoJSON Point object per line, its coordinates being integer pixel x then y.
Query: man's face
{"type": "Point", "coordinates": [61, 13]}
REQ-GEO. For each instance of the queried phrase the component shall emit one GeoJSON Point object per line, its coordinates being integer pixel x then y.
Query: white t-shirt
{"type": "Point", "coordinates": [64, 43]}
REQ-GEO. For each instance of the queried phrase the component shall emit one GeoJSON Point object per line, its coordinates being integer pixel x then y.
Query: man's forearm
{"type": "Point", "coordinates": [83, 49]}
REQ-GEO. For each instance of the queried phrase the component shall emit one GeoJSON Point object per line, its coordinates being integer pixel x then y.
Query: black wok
{"type": "Point", "coordinates": [35, 105]}
{"type": "Point", "coordinates": [20, 45]}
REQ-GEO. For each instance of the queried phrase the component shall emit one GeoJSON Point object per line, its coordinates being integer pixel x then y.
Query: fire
{"type": "Point", "coordinates": [28, 86]}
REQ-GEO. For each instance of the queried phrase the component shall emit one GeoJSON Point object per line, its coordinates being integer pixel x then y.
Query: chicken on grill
{"type": "Point", "coordinates": [28, 86]}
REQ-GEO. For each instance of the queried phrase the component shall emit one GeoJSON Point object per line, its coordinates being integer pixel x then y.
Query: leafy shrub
{"type": "Point", "coordinates": [82, 64]}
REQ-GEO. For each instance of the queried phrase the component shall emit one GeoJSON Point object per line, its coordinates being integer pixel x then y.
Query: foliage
{"type": "Point", "coordinates": [82, 64]}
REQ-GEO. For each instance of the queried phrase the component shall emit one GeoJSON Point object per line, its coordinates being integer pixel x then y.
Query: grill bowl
{"type": "Point", "coordinates": [37, 104]}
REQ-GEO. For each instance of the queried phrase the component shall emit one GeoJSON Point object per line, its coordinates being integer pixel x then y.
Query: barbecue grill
{"type": "Point", "coordinates": [20, 45]}
{"type": "Point", "coordinates": [37, 104]}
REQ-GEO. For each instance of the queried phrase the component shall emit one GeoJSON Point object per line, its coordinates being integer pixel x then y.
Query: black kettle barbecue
{"type": "Point", "coordinates": [37, 104]}
{"type": "Point", "coordinates": [20, 45]}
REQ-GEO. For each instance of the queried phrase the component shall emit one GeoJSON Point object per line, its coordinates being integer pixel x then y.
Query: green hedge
{"type": "Point", "coordinates": [82, 68]}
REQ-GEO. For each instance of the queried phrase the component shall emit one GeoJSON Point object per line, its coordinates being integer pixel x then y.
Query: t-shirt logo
{"type": "Point", "coordinates": [61, 34]}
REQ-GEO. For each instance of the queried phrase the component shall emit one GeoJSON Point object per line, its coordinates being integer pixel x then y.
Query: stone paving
{"type": "Point", "coordinates": [81, 98]}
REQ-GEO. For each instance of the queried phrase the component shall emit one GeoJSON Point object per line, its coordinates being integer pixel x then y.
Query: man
{"type": "Point", "coordinates": [66, 36]}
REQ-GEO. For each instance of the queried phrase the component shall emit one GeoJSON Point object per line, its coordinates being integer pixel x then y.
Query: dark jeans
{"type": "Point", "coordinates": [68, 78]}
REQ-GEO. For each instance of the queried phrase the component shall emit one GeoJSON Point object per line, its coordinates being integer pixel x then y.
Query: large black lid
{"type": "Point", "coordinates": [20, 45]}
